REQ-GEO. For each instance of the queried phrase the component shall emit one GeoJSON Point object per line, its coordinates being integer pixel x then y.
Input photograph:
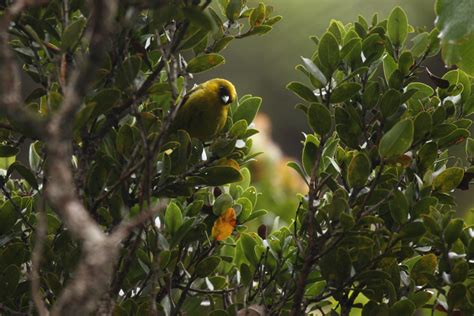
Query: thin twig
{"type": "Point", "coordinates": [126, 227]}
{"type": "Point", "coordinates": [41, 230]}
{"type": "Point", "coordinates": [310, 225]}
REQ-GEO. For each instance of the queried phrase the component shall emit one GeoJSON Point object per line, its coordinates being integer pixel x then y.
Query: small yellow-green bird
{"type": "Point", "coordinates": [204, 111]}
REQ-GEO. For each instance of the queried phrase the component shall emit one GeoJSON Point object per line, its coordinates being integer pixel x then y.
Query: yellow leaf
{"type": "Point", "coordinates": [224, 225]}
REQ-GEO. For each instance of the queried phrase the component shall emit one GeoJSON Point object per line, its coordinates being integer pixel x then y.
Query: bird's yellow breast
{"type": "Point", "coordinates": [204, 114]}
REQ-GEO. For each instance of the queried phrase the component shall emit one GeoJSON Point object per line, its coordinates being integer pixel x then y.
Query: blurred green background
{"type": "Point", "coordinates": [264, 65]}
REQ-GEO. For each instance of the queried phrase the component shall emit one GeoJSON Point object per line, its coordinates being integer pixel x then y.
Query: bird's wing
{"type": "Point", "coordinates": [194, 117]}
{"type": "Point", "coordinates": [182, 117]}
{"type": "Point", "coordinates": [188, 94]}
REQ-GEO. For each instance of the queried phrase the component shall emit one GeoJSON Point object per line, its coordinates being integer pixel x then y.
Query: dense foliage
{"type": "Point", "coordinates": [379, 219]}
{"type": "Point", "coordinates": [163, 217]}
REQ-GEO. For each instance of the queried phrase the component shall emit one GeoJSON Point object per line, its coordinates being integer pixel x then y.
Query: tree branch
{"type": "Point", "coordinates": [41, 231]}
{"type": "Point", "coordinates": [314, 189]}
{"type": "Point", "coordinates": [11, 100]}
{"type": "Point", "coordinates": [93, 274]}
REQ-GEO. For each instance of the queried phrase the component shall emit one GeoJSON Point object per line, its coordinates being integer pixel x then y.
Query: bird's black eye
{"type": "Point", "coordinates": [224, 95]}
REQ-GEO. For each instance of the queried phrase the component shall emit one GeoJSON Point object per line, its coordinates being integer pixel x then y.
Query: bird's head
{"type": "Point", "coordinates": [223, 89]}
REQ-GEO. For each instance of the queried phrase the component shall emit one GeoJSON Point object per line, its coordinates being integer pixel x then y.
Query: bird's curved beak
{"type": "Point", "coordinates": [225, 99]}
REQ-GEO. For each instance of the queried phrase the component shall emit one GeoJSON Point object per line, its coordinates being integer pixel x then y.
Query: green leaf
{"type": "Point", "coordinates": [423, 268]}
{"type": "Point", "coordinates": [390, 103]}
{"type": "Point", "coordinates": [448, 180]}
{"type": "Point", "coordinates": [10, 277]}
{"type": "Point", "coordinates": [128, 72]}
{"type": "Point", "coordinates": [219, 282]}
{"type": "Point", "coordinates": [238, 129]}
{"type": "Point", "coordinates": [222, 44]}
{"type": "Point", "coordinates": [194, 208]}
{"type": "Point", "coordinates": [198, 17]}
{"type": "Point", "coordinates": [251, 194]}
{"type": "Point", "coordinates": [371, 95]}
{"type": "Point", "coordinates": [336, 28]}
{"type": "Point", "coordinates": [246, 274]}
{"type": "Point", "coordinates": [345, 91]}
{"type": "Point", "coordinates": [222, 203]}
{"type": "Point", "coordinates": [258, 30]}
{"type": "Point", "coordinates": [366, 276]}
{"type": "Point", "coordinates": [399, 207]}
{"type": "Point", "coordinates": [352, 52]}
{"type": "Point", "coordinates": [424, 90]}
{"type": "Point", "coordinates": [207, 266]}
{"type": "Point", "coordinates": [125, 141]}
{"type": "Point", "coordinates": [403, 307]}
{"type": "Point", "coordinates": [468, 107]}
{"type": "Point", "coordinates": [194, 39]}
{"type": "Point", "coordinates": [105, 100]}
{"type": "Point", "coordinates": [83, 116]}
{"type": "Point", "coordinates": [389, 66]}
{"type": "Point", "coordinates": [246, 178]}
{"type": "Point", "coordinates": [396, 80]}
{"type": "Point", "coordinates": [427, 155]}
{"type": "Point", "coordinates": [247, 110]}
{"type": "Point", "coordinates": [173, 218]}
{"type": "Point", "coordinates": [456, 77]}
{"type": "Point", "coordinates": [460, 271]}
{"type": "Point", "coordinates": [347, 221]}
{"type": "Point", "coordinates": [453, 230]}
{"type": "Point", "coordinates": [423, 206]}
{"type": "Point", "coordinates": [295, 166]}
{"type": "Point", "coordinates": [233, 9]}
{"type": "Point", "coordinates": [359, 170]}
{"type": "Point", "coordinates": [348, 126]}
{"type": "Point", "coordinates": [248, 246]}
{"type": "Point", "coordinates": [457, 295]}
{"type": "Point", "coordinates": [8, 216]}
{"type": "Point", "coordinates": [470, 148]}
{"type": "Point", "coordinates": [405, 62]}
{"type": "Point", "coordinates": [314, 70]}
{"type": "Point", "coordinates": [302, 91]}
{"type": "Point", "coordinates": [422, 125]}
{"type": "Point", "coordinates": [72, 33]}
{"type": "Point", "coordinates": [34, 156]}
{"type": "Point", "coordinates": [24, 172]}
{"type": "Point", "coordinates": [256, 214]}
{"type": "Point", "coordinates": [413, 230]}
{"type": "Point", "coordinates": [247, 207]}
{"type": "Point", "coordinates": [420, 298]}
{"type": "Point", "coordinates": [373, 48]}
{"type": "Point", "coordinates": [397, 140]}
{"type": "Point", "coordinates": [397, 26]}
{"type": "Point", "coordinates": [374, 309]}
{"type": "Point", "coordinates": [316, 288]}
{"type": "Point", "coordinates": [456, 33]}
{"type": "Point", "coordinates": [204, 62]}
{"type": "Point", "coordinates": [420, 44]}
{"type": "Point", "coordinates": [343, 263]}
{"type": "Point", "coordinates": [453, 138]}
{"type": "Point", "coordinates": [220, 175]}
{"type": "Point", "coordinates": [182, 231]}
{"type": "Point", "coordinates": [273, 20]}
{"type": "Point", "coordinates": [309, 154]}
{"type": "Point", "coordinates": [431, 224]}
{"type": "Point", "coordinates": [257, 16]}
{"type": "Point", "coordinates": [328, 51]}
{"type": "Point", "coordinates": [319, 118]}
{"type": "Point", "coordinates": [8, 151]}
